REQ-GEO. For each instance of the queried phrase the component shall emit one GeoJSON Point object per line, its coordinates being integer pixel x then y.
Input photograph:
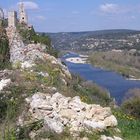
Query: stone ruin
{"type": "Point", "coordinates": [12, 19]}
{"type": "Point", "coordinates": [22, 14]}
{"type": "Point", "coordinates": [12, 16]}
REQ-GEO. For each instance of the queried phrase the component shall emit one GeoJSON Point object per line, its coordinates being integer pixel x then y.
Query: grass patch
{"type": "Point", "coordinates": [129, 126]}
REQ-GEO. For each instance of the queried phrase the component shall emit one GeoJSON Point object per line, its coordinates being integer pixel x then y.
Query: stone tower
{"type": "Point", "coordinates": [22, 14]}
{"type": "Point", "coordinates": [12, 18]}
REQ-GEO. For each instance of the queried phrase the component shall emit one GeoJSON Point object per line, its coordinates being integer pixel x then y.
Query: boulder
{"type": "Point", "coordinates": [111, 121]}
{"type": "Point", "coordinates": [103, 137]}
{"type": "Point", "coordinates": [100, 126]}
{"type": "Point", "coordinates": [54, 125]}
{"type": "Point", "coordinates": [4, 83]}
{"type": "Point", "coordinates": [68, 113]}
{"type": "Point", "coordinates": [60, 112]}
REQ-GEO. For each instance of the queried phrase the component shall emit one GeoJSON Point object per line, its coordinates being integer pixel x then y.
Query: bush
{"type": "Point", "coordinates": [89, 92]}
{"type": "Point", "coordinates": [29, 36]}
{"type": "Point", "coordinates": [131, 104]}
{"type": "Point", "coordinates": [4, 50]}
{"type": "Point", "coordinates": [129, 126]}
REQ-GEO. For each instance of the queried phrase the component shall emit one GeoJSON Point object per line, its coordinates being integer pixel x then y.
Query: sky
{"type": "Point", "coordinates": [79, 15]}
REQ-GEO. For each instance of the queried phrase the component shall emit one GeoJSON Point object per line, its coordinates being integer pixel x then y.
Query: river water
{"type": "Point", "coordinates": [116, 84]}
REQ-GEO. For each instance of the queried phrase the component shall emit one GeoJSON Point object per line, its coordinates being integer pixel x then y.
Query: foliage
{"type": "Point", "coordinates": [89, 92]}
{"type": "Point", "coordinates": [129, 126]}
{"type": "Point", "coordinates": [24, 131]}
{"type": "Point", "coordinates": [29, 36]}
{"type": "Point", "coordinates": [9, 134]}
{"type": "Point", "coordinates": [125, 63]}
{"type": "Point", "coordinates": [4, 50]}
{"type": "Point", "coordinates": [11, 103]}
{"type": "Point", "coordinates": [131, 104]}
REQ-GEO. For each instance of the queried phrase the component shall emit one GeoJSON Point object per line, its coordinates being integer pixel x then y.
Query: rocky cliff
{"type": "Point", "coordinates": [36, 92]}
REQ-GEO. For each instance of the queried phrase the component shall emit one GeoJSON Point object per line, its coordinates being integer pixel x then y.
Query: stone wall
{"type": "Point", "coordinates": [22, 14]}
{"type": "Point", "coordinates": [12, 19]}
{"type": "Point", "coordinates": [16, 44]}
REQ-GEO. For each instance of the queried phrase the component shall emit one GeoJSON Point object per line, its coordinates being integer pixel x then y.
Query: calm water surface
{"type": "Point", "coordinates": [113, 82]}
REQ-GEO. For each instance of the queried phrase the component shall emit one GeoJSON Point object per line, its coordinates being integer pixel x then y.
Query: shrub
{"type": "Point", "coordinates": [4, 50]}
{"type": "Point", "coordinates": [129, 126]}
{"type": "Point", "coordinates": [131, 104]}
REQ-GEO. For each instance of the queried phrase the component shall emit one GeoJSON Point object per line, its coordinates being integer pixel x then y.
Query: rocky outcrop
{"type": "Point", "coordinates": [60, 112]}
{"type": "Point", "coordinates": [27, 54]}
{"type": "Point", "coordinates": [55, 110]}
{"type": "Point", "coordinates": [103, 137]}
{"type": "Point", "coordinates": [4, 83]}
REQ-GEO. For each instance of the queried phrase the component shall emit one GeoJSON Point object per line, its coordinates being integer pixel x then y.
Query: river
{"type": "Point", "coordinates": [116, 84]}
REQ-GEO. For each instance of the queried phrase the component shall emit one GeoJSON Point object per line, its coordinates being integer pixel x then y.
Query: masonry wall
{"type": "Point", "coordinates": [12, 19]}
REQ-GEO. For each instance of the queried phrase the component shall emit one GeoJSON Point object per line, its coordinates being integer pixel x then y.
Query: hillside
{"type": "Point", "coordinates": [96, 40]}
{"type": "Point", "coordinates": [39, 98]}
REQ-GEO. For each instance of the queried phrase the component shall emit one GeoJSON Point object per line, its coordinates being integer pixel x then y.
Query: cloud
{"type": "Point", "coordinates": [30, 5]}
{"type": "Point", "coordinates": [41, 17]}
{"type": "Point", "coordinates": [109, 8]}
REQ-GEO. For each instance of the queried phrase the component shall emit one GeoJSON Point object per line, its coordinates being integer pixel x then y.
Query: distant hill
{"type": "Point", "coordinates": [96, 40]}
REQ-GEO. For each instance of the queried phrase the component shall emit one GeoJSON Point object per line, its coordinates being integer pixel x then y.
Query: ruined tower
{"type": "Point", "coordinates": [22, 14]}
{"type": "Point", "coordinates": [12, 19]}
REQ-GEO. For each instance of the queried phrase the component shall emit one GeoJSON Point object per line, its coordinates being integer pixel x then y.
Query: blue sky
{"type": "Point", "coordinates": [79, 15]}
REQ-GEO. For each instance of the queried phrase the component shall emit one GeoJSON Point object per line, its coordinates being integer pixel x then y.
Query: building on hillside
{"type": "Point", "coordinates": [12, 19]}
{"type": "Point", "coordinates": [22, 14]}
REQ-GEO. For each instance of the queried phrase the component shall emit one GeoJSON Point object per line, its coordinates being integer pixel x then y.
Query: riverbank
{"type": "Point", "coordinates": [121, 62]}
{"type": "Point", "coordinates": [77, 60]}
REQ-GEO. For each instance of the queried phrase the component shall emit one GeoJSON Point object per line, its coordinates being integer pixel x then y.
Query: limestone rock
{"type": "Point", "coordinates": [59, 112]}
{"type": "Point", "coordinates": [110, 121]}
{"type": "Point", "coordinates": [26, 65]}
{"type": "Point", "coordinates": [103, 137]}
{"type": "Point", "coordinates": [95, 125]}
{"type": "Point", "coordinates": [54, 125]}
{"type": "Point", "coordinates": [68, 113]}
{"type": "Point", "coordinates": [4, 83]}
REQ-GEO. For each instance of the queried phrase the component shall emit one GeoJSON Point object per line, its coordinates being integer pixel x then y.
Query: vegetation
{"type": "Point", "coordinates": [30, 36]}
{"type": "Point", "coordinates": [131, 104]}
{"type": "Point", "coordinates": [25, 83]}
{"type": "Point", "coordinates": [89, 92]}
{"type": "Point", "coordinates": [87, 42]}
{"type": "Point", "coordinates": [4, 50]}
{"type": "Point", "coordinates": [128, 125]}
{"type": "Point", "coordinates": [126, 63]}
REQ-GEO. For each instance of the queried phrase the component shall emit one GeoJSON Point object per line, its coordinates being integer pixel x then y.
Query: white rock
{"type": "Point", "coordinates": [43, 74]}
{"type": "Point", "coordinates": [95, 125]}
{"type": "Point", "coordinates": [26, 65]}
{"type": "Point", "coordinates": [54, 125]}
{"type": "Point", "coordinates": [4, 83]}
{"type": "Point", "coordinates": [111, 121]}
{"type": "Point", "coordinates": [103, 137]}
{"type": "Point", "coordinates": [56, 97]}
{"type": "Point", "coordinates": [117, 138]}
{"type": "Point", "coordinates": [68, 113]}
{"type": "Point", "coordinates": [59, 111]}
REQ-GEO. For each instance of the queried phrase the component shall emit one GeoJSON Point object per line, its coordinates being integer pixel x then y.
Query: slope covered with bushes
{"type": "Point", "coordinates": [4, 49]}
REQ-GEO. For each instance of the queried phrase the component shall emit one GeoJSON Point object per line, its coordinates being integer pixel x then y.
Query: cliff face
{"type": "Point", "coordinates": [38, 90]}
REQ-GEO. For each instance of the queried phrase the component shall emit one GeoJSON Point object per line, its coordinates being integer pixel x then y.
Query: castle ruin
{"type": "Point", "coordinates": [23, 19]}
{"type": "Point", "coordinates": [12, 19]}
{"type": "Point", "coordinates": [12, 16]}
